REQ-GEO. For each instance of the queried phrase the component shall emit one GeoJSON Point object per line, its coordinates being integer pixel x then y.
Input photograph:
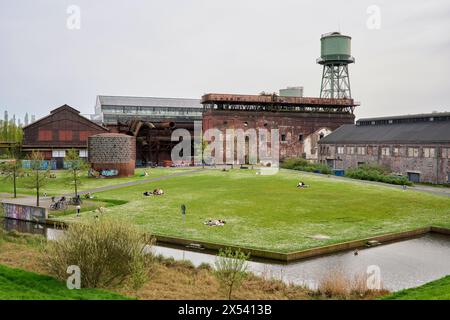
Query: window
{"type": "Point", "coordinates": [340, 150]}
{"type": "Point", "coordinates": [386, 151]}
{"type": "Point", "coordinates": [350, 150]}
{"type": "Point", "coordinates": [58, 153]}
{"type": "Point", "coordinates": [283, 137]}
{"type": "Point", "coordinates": [300, 137]}
{"type": "Point", "coordinates": [83, 153]}
{"type": "Point", "coordinates": [413, 152]}
{"type": "Point", "coordinates": [65, 135]}
{"type": "Point", "coordinates": [361, 150]}
{"type": "Point", "coordinates": [45, 135]}
{"type": "Point", "coordinates": [396, 151]}
{"type": "Point", "coordinates": [428, 152]}
{"type": "Point", "coordinates": [84, 135]}
{"type": "Point", "coordinates": [321, 136]}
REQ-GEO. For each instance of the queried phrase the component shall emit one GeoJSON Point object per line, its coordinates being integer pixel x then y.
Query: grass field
{"type": "Point", "coordinates": [269, 212]}
{"type": "Point", "coordinates": [16, 284]}
{"type": "Point", "coordinates": [436, 290]}
{"type": "Point", "coordinates": [64, 185]}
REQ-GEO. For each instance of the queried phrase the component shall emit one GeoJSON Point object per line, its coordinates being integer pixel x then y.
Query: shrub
{"type": "Point", "coordinates": [230, 269]}
{"type": "Point", "coordinates": [108, 253]}
{"type": "Point", "coordinates": [302, 164]}
{"type": "Point", "coordinates": [376, 173]}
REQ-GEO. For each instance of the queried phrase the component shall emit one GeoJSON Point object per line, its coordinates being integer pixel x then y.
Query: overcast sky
{"type": "Point", "coordinates": [185, 48]}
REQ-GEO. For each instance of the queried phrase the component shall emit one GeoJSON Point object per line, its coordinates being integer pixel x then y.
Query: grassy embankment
{"type": "Point", "coordinates": [269, 212]}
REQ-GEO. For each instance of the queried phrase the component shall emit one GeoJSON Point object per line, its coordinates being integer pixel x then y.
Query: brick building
{"type": "Point", "coordinates": [151, 120]}
{"type": "Point", "coordinates": [63, 129]}
{"type": "Point", "coordinates": [301, 121]}
{"type": "Point", "coordinates": [416, 146]}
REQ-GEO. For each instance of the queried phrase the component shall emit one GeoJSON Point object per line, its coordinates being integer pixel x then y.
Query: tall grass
{"type": "Point", "coordinates": [338, 284]}
{"type": "Point", "coordinates": [109, 253]}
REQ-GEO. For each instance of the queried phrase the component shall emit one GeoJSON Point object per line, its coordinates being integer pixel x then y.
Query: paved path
{"type": "Point", "coordinates": [440, 191]}
{"type": "Point", "coordinates": [31, 200]}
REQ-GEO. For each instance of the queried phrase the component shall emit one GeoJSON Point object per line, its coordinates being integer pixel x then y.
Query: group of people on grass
{"type": "Point", "coordinates": [215, 223]}
{"type": "Point", "coordinates": [156, 192]}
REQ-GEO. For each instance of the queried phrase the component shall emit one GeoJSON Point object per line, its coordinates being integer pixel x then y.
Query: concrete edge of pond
{"type": "Point", "coordinates": [297, 255]}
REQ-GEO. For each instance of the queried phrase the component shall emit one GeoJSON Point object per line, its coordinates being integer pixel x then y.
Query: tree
{"type": "Point", "coordinates": [75, 165]}
{"type": "Point", "coordinates": [231, 269]}
{"type": "Point", "coordinates": [12, 169]}
{"type": "Point", "coordinates": [38, 173]}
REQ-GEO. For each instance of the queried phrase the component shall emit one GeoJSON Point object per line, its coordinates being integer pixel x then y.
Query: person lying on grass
{"type": "Point", "coordinates": [215, 223]}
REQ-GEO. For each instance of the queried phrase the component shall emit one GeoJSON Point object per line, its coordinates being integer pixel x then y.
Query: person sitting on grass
{"type": "Point", "coordinates": [302, 185]}
{"type": "Point", "coordinates": [158, 192]}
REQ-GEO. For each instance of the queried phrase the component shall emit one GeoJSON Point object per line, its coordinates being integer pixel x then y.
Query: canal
{"type": "Point", "coordinates": [404, 264]}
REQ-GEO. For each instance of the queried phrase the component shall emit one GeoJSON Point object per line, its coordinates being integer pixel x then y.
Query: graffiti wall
{"type": "Point", "coordinates": [23, 212]}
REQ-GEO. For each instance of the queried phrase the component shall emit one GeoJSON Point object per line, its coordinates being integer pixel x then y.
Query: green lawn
{"type": "Point", "coordinates": [16, 284]}
{"type": "Point", "coordinates": [64, 185]}
{"type": "Point", "coordinates": [269, 212]}
{"type": "Point", "coordinates": [436, 290]}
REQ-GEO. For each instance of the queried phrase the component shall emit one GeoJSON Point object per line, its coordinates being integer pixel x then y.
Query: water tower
{"type": "Point", "coordinates": [335, 56]}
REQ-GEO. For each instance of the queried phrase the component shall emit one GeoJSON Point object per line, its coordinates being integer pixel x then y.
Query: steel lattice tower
{"type": "Point", "coordinates": [335, 58]}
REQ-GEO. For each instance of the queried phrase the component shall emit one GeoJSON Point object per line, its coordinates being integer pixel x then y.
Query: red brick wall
{"type": "Point", "coordinates": [290, 124]}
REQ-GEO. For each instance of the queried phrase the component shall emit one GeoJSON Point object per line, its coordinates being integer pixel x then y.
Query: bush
{"type": "Point", "coordinates": [376, 173]}
{"type": "Point", "coordinates": [302, 164]}
{"type": "Point", "coordinates": [108, 253]}
{"type": "Point", "coordinates": [230, 269]}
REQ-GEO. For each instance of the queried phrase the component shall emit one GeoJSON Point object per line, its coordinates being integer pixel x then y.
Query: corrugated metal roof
{"type": "Point", "coordinates": [124, 101]}
{"type": "Point", "coordinates": [403, 133]}
{"type": "Point", "coordinates": [408, 116]}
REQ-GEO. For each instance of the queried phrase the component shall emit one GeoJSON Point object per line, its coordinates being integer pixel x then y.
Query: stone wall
{"type": "Point", "coordinates": [108, 152]}
{"type": "Point", "coordinates": [432, 168]}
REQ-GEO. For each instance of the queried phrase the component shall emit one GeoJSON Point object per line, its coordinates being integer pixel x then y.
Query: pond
{"type": "Point", "coordinates": [402, 264]}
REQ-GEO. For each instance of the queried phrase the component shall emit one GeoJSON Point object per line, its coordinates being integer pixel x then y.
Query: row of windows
{"type": "Point", "coordinates": [152, 110]}
{"type": "Point", "coordinates": [62, 153]}
{"type": "Point", "coordinates": [63, 135]}
{"type": "Point", "coordinates": [411, 152]}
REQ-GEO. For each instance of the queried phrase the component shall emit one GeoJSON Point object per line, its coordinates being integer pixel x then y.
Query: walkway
{"type": "Point", "coordinates": [440, 191]}
{"type": "Point", "coordinates": [46, 201]}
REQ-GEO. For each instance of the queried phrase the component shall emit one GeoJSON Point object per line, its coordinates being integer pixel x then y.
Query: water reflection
{"type": "Point", "coordinates": [402, 264]}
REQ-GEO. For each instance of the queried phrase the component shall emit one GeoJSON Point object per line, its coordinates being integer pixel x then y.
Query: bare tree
{"type": "Point", "coordinates": [231, 269]}
{"type": "Point", "coordinates": [76, 166]}
{"type": "Point", "coordinates": [38, 173]}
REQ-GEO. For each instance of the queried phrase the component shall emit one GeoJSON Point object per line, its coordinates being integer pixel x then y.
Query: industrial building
{"type": "Point", "coordinates": [301, 121]}
{"type": "Point", "coordinates": [416, 146]}
{"type": "Point", "coordinates": [63, 129]}
{"type": "Point", "coordinates": [151, 120]}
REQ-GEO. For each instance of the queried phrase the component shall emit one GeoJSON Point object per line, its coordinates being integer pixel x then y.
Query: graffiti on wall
{"type": "Point", "coordinates": [110, 173]}
{"type": "Point", "coordinates": [23, 212]}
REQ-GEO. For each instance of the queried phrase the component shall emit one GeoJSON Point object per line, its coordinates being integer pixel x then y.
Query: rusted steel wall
{"type": "Point", "coordinates": [268, 99]}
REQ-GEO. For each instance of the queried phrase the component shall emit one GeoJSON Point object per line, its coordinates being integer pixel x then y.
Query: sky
{"type": "Point", "coordinates": [50, 55]}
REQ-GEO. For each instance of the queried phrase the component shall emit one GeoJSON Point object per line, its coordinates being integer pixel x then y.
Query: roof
{"type": "Point", "coordinates": [274, 99]}
{"type": "Point", "coordinates": [431, 132]}
{"type": "Point", "coordinates": [125, 101]}
{"type": "Point", "coordinates": [111, 134]}
{"type": "Point", "coordinates": [64, 107]}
